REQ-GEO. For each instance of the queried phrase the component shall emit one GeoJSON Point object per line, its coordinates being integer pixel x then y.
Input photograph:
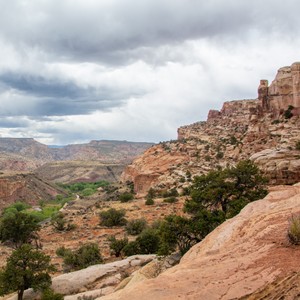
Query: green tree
{"type": "Point", "coordinates": [26, 268]}
{"type": "Point", "coordinates": [19, 228]}
{"type": "Point", "coordinates": [182, 233]}
{"type": "Point", "coordinates": [229, 189]}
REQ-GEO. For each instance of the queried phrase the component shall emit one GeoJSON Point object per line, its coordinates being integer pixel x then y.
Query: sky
{"type": "Point", "coordinates": [72, 71]}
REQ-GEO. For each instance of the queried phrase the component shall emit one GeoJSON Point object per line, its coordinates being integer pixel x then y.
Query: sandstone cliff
{"type": "Point", "coordinates": [238, 131]}
{"type": "Point", "coordinates": [246, 254]}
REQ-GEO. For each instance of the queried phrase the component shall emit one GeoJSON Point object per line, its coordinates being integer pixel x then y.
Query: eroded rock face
{"type": "Point", "coordinates": [243, 255]}
{"type": "Point", "coordinates": [25, 187]}
{"type": "Point", "coordinates": [238, 131]}
{"type": "Point", "coordinates": [280, 166]}
{"type": "Point", "coordinates": [283, 91]}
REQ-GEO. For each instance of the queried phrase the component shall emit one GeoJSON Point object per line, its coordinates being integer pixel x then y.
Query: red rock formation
{"type": "Point", "coordinates": [25, 187]}
{"type": "Point", "coordinates": [238, 131]}
{"type": "Point", "coordinates": [212, 114]}
{"type": "Point", "coordinates": [283, 91]}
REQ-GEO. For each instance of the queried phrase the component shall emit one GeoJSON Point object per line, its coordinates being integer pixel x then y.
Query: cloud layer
{"type": "Point", "coordinates": [71, 71]}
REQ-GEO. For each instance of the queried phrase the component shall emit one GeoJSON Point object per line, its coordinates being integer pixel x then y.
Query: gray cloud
{"type": "Point", "coordinates": [13, 123]}
{"type": "Point", "coordinates": [57, 97]}
{"type": "Point", "coordinates": [108, 31]}
{"type": "Point", "coordinates": [80, 70]}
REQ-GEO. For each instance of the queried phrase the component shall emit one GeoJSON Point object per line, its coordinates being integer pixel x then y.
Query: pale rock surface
{"type": "Point", "coordinates": [243, 255]}
{"type": "Point", "coordinates": [93, 281]}
{"type": "Point", "coordinates": [280, 166]}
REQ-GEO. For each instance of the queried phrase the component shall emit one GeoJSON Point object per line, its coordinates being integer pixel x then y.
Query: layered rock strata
{"type": "Point", "coordinates": [238, 131]}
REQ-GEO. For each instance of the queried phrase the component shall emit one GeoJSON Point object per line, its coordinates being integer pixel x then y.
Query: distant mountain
{"type": "Point", "coordinates": [21, 154]}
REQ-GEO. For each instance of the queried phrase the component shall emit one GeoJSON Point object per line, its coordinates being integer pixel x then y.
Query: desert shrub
{"type": "Point", "coordinates": [59, 222]}
{"type": "Point", "coordinates": [297, 145]}
{"type": "Point", "coordinates": [116, 246]}
{"type": "Point", "coordinates": [131, 248]}
{"type": "Point", "coordinates": [233, 140]}
{"type": "Point", "coordinates": [112, 217]}
{"type": "Point", "coordinates": [288, 113]}
{"type": "Point", "coordinates": [148, 241]}
{"type": "Point", "coordinates": [173, 192]}
{"type": "Point", "coordinates": [219, 155]}
{"type": "Point", "coordinates": [294, 230]}
{"type": "Point", "coordinates": [62, 251]}
{"type": "Point", "coordinates": [207, 158]}
{"type": "Point", "coordinates": [275, 122]}
{"type": "Point", "coordinates": [49, 294]}
{"type": "Point", "coordinates": [170, 200]}
{"type": "Point", "coordinates": [86, 255]}
{"type": "Point", "coordinates": [135, 227]}
{"type": "Point", "coordinates": [125, 197]}
{"type": "Point", "coordinates": [151, 193]}
{"type": "Point", "coordinates": [149, 201]}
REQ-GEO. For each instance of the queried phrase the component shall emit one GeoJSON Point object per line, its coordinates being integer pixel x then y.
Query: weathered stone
{"type": "Point", "coordinates": [243, 255]}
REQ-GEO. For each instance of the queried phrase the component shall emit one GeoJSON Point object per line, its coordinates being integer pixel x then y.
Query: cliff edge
{"type": "Point", "coordinates": [261, 129]}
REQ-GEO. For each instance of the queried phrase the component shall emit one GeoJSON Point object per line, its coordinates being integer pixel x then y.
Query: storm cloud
{"type": "Point", "coordinates": [77, 70]}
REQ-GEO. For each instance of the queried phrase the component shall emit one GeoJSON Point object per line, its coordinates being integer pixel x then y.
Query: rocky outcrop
{"type": "Point", "coordinates": [238, 131]}
{"type": "Point", "coordinates": [244, 255]}
{"type": "Point", "coordinates": [280, 166]}
{"type": "Point", "coordinates": [283, 91]}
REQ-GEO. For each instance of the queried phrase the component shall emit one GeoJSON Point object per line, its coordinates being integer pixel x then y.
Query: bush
{"type": "Point", "coordinates": [112, 217]}
{"type": "Point", "coordinates": [170, 200]}
{"type": "Point", "coordinates": [49, 294]}
{"type": "Point", "coordinates": [149, 201]}
{"type": "Point", "coordinates": [294, 230]}
{"type": "Point", "coordinates": [117, 245]}
{"type": "Point", "coordinates": [219, 155]}
{"type": "Point", "coordinates": [173, 192]}
{"type": "Point", "coordinates": [131, 248]}
{"type": "Point", "coordinates": [125, 197]}
{"type": "Point", "coordinates": [62, 251]}
{"type": "Point", "coordinates": [148, 241]}
{"type": "Point", "coordinates": [297, 145]}
{"type": "Point", "coordinates": [135, 227]}
{"type": "Point", "coordinates": [87, 255]}
{"type": "Point", "coordinates": [288, 113]}
{"type": "Point", "coordinates": [59, 223]}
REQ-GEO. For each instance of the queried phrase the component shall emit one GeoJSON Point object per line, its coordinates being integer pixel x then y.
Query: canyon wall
{"type": "Point", "coordinates": [238, 131]}
{"type": "Point", "coordinates": [25, 187]}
